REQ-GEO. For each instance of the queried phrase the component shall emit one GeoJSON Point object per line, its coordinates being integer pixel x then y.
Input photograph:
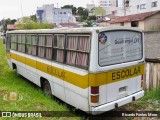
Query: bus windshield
{"type": "Point", "coordinates": [116, 47]}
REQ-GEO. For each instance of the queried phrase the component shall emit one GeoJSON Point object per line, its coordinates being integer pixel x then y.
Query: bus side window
{"type": "Point", "coordinates": [78, 48]}
{"type": "Point", "coordinates": [49, 42]}
{"type": "Point", "coordinates": [58, 48]}
{"type": "Point", "coordinates": [21, 42]}
{"type": "Point", "coordinates": [41, 45]}
{"type": "Point", "coordinates": [14, 42]}
{"type": "Point", "coordinates": [8, 43]}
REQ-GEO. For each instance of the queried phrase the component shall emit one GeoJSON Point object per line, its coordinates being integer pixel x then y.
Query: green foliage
{"type": "Point", "coordinates": [33, 17]}
{"type": "Point", "coordinates": [89, 24]}
{"type": "Point", "coordinates": [74, 9]}
{"type": "Point", "coordinates": [28, 23]}
{"type": "Point", "coordinates": [78, 11]}
{"type": "Point", "coordinates": [100, 11]}
{"type": "Point", "coordinates": [93, 17]}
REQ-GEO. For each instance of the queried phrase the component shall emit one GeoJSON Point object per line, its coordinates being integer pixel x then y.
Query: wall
{"type": "Point", "coordinates": [152, 22]}
{"type": "Point", "coordinates": [128, 24]}
{"type": "Point", "coordinates": [115, 24]}
{"type": "Point", "coordinates": [152, 55]}
{"type": "Point", "coordinates": [141, 25]}
{"type": "Point", "coordinates": [62, 15]}
{"type": "Point", "coordinates": [152, 44]}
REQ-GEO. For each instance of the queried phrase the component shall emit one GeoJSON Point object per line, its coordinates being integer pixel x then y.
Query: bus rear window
{"type": "Point", "coordinates": [116, 47]}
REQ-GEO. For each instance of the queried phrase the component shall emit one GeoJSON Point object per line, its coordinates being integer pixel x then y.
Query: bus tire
{"type": "Point", "coordinates": [47, 88]}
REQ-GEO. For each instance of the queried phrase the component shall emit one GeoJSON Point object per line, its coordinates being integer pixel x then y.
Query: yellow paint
{"type": "Point", "coordinates": [20, 59]}
{"type": "Point", "coordinates": [125, 73]}
{"type": "Point", "coordinates": [30, 62]}
{"type": "Point", "coordinates": [96, 79]}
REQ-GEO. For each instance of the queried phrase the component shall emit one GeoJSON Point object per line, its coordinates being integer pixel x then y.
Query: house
{"type": "Point", "coordinates": [11, 27]}
{"type": "Point", "coordinates": [145, 21]}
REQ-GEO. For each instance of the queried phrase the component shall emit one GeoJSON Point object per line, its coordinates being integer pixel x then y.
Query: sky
{"type": "Point", "coordinates": [19, 8]}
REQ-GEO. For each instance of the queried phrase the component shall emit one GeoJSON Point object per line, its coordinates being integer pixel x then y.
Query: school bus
{"type": "Point", "coordinates": [93, 69]}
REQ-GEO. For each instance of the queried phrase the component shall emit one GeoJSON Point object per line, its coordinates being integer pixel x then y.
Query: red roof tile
{"type": "Point", "coordinates": [134, 17]}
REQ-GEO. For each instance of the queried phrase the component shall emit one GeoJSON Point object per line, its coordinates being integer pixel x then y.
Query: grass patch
{"type": "Point", "coordinates": [150, 102]}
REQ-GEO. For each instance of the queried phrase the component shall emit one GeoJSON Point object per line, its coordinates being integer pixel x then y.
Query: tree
{"type": "Point", "coordinates": [83, 13]}
{"type": "Point", "coordinates": [93, 17]}
{"type": "Point", "coordinates": [80, 11]}
{"type": "Point", "coordinates": [100, 11]}
{"type": "Point", "coordinates": [33, 17]}
{"type": "Point", "coordinates": [74, 9]}
{"type": "Point", "coordinates": [28, 23]}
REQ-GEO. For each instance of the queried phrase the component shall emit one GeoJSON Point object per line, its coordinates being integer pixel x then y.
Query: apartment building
{"type": "Point", "coordinates": [111, 6]}
{"type": "Point", "coordinates": [54, 15]}
{"type": "Point", "coordinates": [139, 6]}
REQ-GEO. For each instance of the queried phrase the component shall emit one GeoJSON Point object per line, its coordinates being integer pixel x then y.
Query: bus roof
{"type": "Point", "coordinates": [75, 30]}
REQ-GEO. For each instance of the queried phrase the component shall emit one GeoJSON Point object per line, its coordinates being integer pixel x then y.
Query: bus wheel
{"type": "Point", "coordinates": [47, 88]}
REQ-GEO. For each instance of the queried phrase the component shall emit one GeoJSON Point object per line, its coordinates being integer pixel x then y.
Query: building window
{"type": "Point", "coordinates": [134, 24]}
{"type": "Point", "coordinates": [143, 6]}
{"type": "Point", "coordinates": [64, 12]}
{"type": "Point", "coordinates": [154, 4]}
{"type": "Point", "coordinates": [60, 12]}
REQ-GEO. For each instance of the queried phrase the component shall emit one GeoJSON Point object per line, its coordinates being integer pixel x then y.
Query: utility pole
{"type": "Point", "coordinates": [21, 8]}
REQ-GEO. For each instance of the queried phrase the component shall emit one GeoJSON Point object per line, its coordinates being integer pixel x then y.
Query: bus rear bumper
{"type": "Point", "coordinates": [113, 105]}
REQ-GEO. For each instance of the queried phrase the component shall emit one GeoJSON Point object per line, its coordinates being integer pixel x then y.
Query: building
{"type": "Point", "coordinates": [54, 15]}
{"type": "Point", "coordinates": [90, 6]}
{"type": "Point", "coordinates": [139, 6]}
{"type": "Point", "coordinates": [111, 6]}
{"type": "Point", "coordinates": [11, 27]}
{"type": "Point", "coordinates": [146, 21]}
{"type": "Point", "coordinates": [108, 3]}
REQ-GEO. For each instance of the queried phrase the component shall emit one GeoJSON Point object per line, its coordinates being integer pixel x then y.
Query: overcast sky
{"type": "Point", "coordinates": [19, 8]}
{"type": "Point", "coordinates": [12, 8]}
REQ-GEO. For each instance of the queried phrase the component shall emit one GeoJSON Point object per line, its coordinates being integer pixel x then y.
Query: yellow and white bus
{"type": "Point", "coordinates": [93, 69]}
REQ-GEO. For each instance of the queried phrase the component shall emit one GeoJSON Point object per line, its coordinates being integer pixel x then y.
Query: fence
{"type": "Point", "coordinates": [152, 74]}
{"type": "Point", "coordinates": [152, 66]}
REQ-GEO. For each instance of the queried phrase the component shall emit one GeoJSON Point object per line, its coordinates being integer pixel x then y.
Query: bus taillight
{"type": "Point", "coordinates": [95, 94]}
{"type": "Point", "coordinates": [95, 90]}
{"type": "Point", "coordinates": [94, 99]}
